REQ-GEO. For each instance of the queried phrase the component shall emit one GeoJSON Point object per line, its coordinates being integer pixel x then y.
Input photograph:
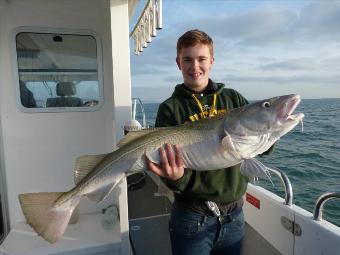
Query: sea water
{"type": "Point", "coordinates": [310, 159]}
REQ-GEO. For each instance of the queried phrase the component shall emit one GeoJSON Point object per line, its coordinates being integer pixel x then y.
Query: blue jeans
{"type": "Point", "coordinates": [192, 233]}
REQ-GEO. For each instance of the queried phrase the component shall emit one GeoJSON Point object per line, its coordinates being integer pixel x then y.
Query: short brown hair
{"type": "Point", "coordinates": [194, 37]}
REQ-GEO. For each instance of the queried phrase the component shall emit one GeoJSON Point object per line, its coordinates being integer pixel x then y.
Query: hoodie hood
{"type": "Point", "coordinates": [183, 91]}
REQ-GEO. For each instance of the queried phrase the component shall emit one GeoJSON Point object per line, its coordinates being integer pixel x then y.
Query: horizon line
{"type": "Point", "coordinates": [320, 98]}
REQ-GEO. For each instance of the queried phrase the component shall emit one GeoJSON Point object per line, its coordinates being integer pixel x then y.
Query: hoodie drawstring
{"type": "Point", "coordinates": [212, 110]}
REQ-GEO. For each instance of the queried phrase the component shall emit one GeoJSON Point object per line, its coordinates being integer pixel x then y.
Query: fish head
{"type": "Point", "coordinates": [273, 116]}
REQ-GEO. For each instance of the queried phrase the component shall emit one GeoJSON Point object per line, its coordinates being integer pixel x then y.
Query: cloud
{"type": "Point", "coordinates": [175, 79]}
{"type": "Point", "coordinates": [158, 56]}
{"type": "Point", "coordinates": [151, 94]}
{"type": "Point", "coordinates": [281, 48]}
{"type": "Point", "coordinates": [291, 65]}
{"type": "Point", "coordinates": [268, 26]}
{"type": "Point", "coordinates": [333, 62]}
{"type": "Point", "coordinates": [275, 80]}
{"type": "Point", "coordinates": [320, 20]}
{"type": "Point", "coordinates": [317, 22]}
{"type": "Point", "coordinates": [254, 24]}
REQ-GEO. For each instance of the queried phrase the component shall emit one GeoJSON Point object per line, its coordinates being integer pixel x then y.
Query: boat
{"type": "Point", "coordinates": [65, 91]}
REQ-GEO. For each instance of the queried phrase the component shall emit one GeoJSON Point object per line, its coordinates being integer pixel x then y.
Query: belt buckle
{"type": "Point", "coordinates": [226, 219]}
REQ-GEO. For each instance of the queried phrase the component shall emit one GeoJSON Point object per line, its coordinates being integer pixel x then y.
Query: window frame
{"type": "Point", "coordinates": [81, 32]}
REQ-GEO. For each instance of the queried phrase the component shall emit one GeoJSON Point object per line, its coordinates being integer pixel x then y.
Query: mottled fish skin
{"type": "Point", "coordinates": [198, 138]}
{"type": "Point", "coordinates": [193, 139]}
{"type": "Point", "coordinates": [214, 143]}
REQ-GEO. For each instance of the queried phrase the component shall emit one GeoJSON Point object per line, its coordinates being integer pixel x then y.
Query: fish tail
{"type": "Point", "coordinates": [47, 219]}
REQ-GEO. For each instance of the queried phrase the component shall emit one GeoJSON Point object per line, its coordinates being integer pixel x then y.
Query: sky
{"type": "Point", "coordinates": [262, 48]}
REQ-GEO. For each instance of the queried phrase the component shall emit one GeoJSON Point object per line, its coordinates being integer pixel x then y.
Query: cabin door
{"type": "Point", "coordinates": [2, 228]}
{"type": "Point", "coordinates": [3, 204]}
{"type": "Point", "coordinates": [1, 218]}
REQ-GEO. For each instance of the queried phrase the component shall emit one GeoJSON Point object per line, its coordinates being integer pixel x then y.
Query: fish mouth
{"type": "Point", "coordinates": [288, 106]}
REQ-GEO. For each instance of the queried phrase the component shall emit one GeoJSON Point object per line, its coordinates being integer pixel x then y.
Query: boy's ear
{"type": "Point", "coordinates": [178, 64]}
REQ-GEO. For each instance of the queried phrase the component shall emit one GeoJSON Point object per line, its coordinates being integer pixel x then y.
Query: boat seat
{"type": "Point", "coordinates": [65, 92]}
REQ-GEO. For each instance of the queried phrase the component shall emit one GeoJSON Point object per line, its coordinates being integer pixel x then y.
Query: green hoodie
{"type": "Point", "coordinates": [222, 185]}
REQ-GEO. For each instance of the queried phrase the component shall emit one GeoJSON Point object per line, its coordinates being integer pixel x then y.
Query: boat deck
{"type": "Point", "coordinates": [148, 219]}
{"type": "Point", "coordinates": [143, 202]}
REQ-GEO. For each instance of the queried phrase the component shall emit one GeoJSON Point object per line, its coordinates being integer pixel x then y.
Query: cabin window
{"type": "Point", "coordinates": [58, 71]}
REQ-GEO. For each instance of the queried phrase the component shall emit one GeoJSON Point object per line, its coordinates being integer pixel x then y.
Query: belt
{"type": "Point", "coordinates": [200, 206]}
{"type": "Point", "coordinates": [229, 217]}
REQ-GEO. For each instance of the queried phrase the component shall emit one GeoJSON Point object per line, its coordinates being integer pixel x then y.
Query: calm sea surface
{"type": "Point", "coordinates": [311, 158]}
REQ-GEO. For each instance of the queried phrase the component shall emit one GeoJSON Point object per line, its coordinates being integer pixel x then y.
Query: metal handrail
{"type": "Point", "coordinates": [317, 215]}
{"type": "Point", "coordinates": [287, 185]}
{"type": "Point", "coordinates": [158, 10]}
{"type": "Point", "coordinates": [134, 110]}
{"type": "Point", "coordinates": [145, 28]}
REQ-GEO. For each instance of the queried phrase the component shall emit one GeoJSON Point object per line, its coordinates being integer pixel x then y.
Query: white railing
{"type": "Point", "coordinates": [149, 21]}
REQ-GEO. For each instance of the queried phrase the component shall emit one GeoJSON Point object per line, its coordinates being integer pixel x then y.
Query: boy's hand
{"type": "Point", "coordinates": [171, 165]}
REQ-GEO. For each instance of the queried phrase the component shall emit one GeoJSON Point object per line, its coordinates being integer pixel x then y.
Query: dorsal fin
{"type": "Point", "coordinates": [85, 164]}
{"type": "Point", "coordinates": [132, 135]}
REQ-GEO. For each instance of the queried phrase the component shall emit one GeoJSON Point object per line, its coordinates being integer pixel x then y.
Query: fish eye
{"type": "Point", "coordinates": [266, 104]}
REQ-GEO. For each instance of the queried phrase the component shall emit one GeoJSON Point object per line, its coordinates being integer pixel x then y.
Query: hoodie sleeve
{"type": "Point", "coordinates": [239, 100]}
{"type": "Point", "coordinates": [165, 118]}
{"type": "Point", "coordinates": [180, 184]}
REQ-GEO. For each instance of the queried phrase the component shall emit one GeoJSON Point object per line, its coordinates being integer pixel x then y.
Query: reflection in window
{"type": "Point", "coordinates": [57, 70]}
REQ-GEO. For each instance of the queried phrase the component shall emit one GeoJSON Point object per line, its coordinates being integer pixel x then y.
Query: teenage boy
{"type": "Point", "coordinates": [194, 227]}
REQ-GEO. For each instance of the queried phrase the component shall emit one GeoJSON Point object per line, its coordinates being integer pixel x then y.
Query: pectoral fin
{"type": "Point", "coordinates": [228, 145]}
{"type": "Point", "coordinates": [153, 156]}
{"type": "Point", "coordinates": [253, 168]}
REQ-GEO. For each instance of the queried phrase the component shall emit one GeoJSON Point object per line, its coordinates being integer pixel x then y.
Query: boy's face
{"type": "Point", "coordinates": [195, 63]}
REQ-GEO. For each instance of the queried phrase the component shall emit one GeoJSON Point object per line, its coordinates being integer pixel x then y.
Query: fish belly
{"type": "Point", "coordinates": [207, 155]}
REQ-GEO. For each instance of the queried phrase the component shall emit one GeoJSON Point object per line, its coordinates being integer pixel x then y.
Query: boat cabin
{"type": "Point", "coordinates": [65, 91]}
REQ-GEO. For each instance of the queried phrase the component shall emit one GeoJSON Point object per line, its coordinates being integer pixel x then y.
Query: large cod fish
{"type": "Point", "coordinates": [231, 138]}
